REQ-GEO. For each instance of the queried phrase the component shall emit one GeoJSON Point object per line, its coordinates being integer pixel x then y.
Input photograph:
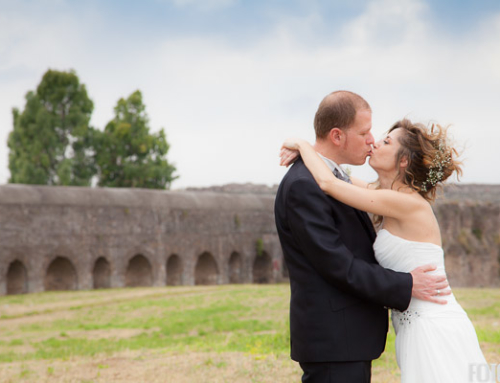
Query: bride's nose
{"type": "Point", "coordinates": [376, 144]}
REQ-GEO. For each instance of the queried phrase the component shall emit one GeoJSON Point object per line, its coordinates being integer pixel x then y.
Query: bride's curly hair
{"type": "Point", "coordinates": [431, 158]}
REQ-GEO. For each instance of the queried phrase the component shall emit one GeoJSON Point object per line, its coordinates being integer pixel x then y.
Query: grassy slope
{"type": "Point", "coordinates": [229, 333]}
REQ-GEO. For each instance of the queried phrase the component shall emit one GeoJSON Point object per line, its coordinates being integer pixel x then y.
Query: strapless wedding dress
{"type": "Point", "coordinates": [434, 343]}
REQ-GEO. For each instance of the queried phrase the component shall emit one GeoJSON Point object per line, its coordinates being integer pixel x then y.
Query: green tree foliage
{"type": "Point", "coordinates": [127, 154]}
{"type": "Point", "coordinates": [50, 142]}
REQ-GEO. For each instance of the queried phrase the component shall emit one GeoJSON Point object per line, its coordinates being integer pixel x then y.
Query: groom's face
{"type": "Point", "coordinates": [358, 139]}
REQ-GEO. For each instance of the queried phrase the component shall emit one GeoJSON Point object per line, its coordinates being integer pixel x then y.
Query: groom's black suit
{"type": "Point", "coordinates": [338, 291]}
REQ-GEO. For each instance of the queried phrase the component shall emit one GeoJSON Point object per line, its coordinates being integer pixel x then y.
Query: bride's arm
{"type": "Point", "coordinates": [288, 157]}
{"type": "Point", "coordinates": [388, 203]}
{"type": "Point", "coordinates": [359, 182]}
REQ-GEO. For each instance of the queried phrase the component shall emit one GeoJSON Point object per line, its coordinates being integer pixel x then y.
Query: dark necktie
{"type": "Point", "coordinates": [341, 176]}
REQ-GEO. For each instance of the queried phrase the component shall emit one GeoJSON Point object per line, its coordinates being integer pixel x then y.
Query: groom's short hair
{"type": "Point", "coordinates": [338, 110]}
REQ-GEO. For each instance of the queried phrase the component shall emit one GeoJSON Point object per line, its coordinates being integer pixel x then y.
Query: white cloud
{"type": "Point", "coordinates": [204, 5]}
{"type": "Point", "coordinates": [388, 22]}
{"type": "Point", "coordinates": [226, 110]}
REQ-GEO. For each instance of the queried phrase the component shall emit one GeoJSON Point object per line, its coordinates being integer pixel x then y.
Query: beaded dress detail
{"type": "Point", "coordinates": [434, 343]}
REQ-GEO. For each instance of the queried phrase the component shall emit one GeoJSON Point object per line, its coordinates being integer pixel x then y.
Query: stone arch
{"type": "Point", "coordinates": [174, 270]}
{"type": "Point", "coordinates": [206, 271]}
{"type": "Point", "coordinates": [262, 269]}
{"type": "Point", "coordinates": [102, 274]}
{"type": "Point", "coordinates": [61, 275]}
{"type": "Point", "coordinates": [17, 278]}
{"type": "Point", "coordinates": [235, 273]}
{"type": "Point", "coordinates": [139, 272]}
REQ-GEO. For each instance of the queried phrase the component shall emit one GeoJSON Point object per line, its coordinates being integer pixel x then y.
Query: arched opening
{"type": "Point", "coordinates": [174, 271]}
{"type": "Point", "coordinates": [17, 278]}
{"type": "Point", "coordinates": [61, 275]}
{"type": "Point", "coordinates": [235, 268]}
{"type": "Point", "coordinates": [262, 269]}
{"type": "Point", "coordinates": [139, 272]}
{"type": "Point", "coordinates": [102, 274]}
{"type": "Point", "coordinates": [206, 272]}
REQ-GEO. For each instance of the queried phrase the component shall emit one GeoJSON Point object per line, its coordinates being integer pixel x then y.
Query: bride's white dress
{"type": "Point", "coordinates": [434, 343]}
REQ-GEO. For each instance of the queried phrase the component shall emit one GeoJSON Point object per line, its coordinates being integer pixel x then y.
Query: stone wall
{"type": "Point", "coordinates": [469, 217]}
{"type": "Point", "coordinates": [471, 241]}
{"type": "Point", "coordinates": [70, 238]}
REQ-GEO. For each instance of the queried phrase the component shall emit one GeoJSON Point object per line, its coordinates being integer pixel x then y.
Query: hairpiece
{"type": "Point", "coordinates": [435, 173]}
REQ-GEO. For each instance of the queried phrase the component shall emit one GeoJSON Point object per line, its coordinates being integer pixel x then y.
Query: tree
{"type": "Point", "coordinates": [50, 142]}
{"type": "Point", "coordinates": [127, 155]}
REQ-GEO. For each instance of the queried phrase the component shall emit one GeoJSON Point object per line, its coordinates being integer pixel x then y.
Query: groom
{"type": "Point", "coordinates": [339, 294]}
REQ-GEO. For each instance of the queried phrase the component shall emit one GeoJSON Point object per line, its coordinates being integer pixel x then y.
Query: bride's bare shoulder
{"type": "Point", "coordinates": [420, 205]}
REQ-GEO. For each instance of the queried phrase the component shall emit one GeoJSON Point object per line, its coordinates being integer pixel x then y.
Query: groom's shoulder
{"type": "Point", "coordinates": [298, 176]}
{"type": "Point", "coordinates": [297, 171]}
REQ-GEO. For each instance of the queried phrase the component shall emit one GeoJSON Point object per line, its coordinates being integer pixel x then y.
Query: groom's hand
{"type": "Point", "coordinates": [429, 287]}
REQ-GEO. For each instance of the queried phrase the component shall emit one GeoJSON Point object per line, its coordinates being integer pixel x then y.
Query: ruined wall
{"type": "Point", "coordinates": [70, 238]}
{"type": "Point", "coordinates": [58, 238]}
{"type": "Point", "coordinates": [471, 241]}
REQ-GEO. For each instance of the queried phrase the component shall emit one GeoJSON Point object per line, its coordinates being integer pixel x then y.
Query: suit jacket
{"type": "Point", "coordinates": [338, 290]}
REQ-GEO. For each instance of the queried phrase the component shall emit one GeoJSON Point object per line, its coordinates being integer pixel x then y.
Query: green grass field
{"type": "Point", "coordinates": [230, 333]}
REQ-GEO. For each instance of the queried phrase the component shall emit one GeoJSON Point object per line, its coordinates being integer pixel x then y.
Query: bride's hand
{"type": "Point", "coordinates": [288, 157]}
{"type": "Point", "coordinates": [290, 151]}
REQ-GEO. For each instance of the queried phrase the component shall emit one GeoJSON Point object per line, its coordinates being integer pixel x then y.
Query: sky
{"type": "Point", "coordinates": [229, 80]}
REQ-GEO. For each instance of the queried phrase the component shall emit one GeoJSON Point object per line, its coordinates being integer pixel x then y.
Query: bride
{"type": "Point", "coordinates": [434, 343]}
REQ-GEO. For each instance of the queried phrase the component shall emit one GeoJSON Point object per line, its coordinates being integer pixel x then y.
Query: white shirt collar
{"type": "Point", "coordinates": [332, 165]}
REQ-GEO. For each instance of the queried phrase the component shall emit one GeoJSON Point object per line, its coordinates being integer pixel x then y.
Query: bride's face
{"type": "Point", "coordinates": [385, 152]}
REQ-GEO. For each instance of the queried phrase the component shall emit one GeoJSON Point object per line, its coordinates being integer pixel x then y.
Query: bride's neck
{"type": "Point", "coordinates": [389, 182]}
{"type": "Point", "coordinates": [385, 183]}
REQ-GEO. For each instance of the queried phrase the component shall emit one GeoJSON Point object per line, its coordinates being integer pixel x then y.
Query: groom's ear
{"type": "Point", "coordinates": [335, 136]}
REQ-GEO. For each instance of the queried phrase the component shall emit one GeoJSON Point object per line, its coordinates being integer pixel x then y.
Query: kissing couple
{"type": "Point", "coordinates": [344, 276]}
